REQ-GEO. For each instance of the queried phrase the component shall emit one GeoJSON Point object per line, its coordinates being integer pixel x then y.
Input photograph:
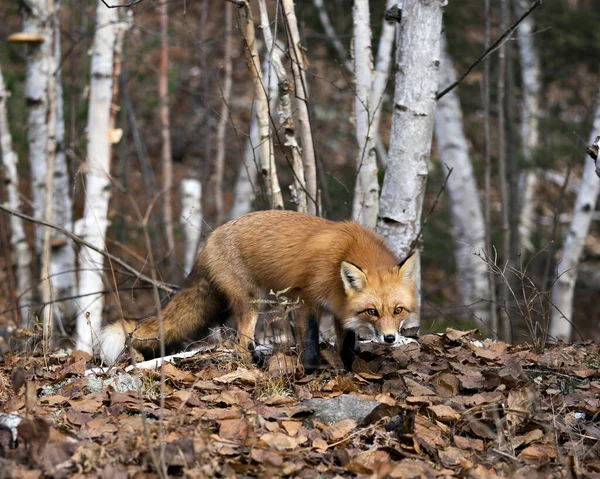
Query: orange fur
{"type": "Point", "coordinates": [340, 268]}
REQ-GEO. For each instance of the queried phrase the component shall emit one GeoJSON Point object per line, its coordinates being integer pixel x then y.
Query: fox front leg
{"type": "Point", "coordinates": [346, 344]}
{"type": "Point", "coordinates": [307, 338]}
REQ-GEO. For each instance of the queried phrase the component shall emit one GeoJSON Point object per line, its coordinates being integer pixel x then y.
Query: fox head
{"type": "Point", "coordinates": [382, 299]}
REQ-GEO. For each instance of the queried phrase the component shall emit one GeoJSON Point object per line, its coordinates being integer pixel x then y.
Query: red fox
{"type": "Point", "coordinates": [340, 268]}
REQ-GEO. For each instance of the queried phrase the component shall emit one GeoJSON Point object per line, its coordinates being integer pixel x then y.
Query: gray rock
{"type": "Point", "coordinates": [345, 406]}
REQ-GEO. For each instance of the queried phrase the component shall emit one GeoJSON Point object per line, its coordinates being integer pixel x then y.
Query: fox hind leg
{"type": "Point", "coordinates": [307, 338]}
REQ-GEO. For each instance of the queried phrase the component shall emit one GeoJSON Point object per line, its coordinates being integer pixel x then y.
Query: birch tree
{"type": "Point", "coordinates": [298, 64]}
{"type": "Point", "coordinates": [467, 214]}
{"type": "Point", "coordinates": [191, 219]}
{"type": "Point", "coordinates": [37, 21]}
{"type": "Point", "coordinates": [274, 68]}
{"type": "Point", "coordinates": [92, 227]}
{"type": "Point", "coordinates": [530, 114]}
{"type": "Point", "coordinates": [268, 169]}
{"type": "Point", "coordinates": [366, 193]}
{"type": "Point", "coordinates": [165, 125]}
{"type": "Point", "coordinates": [417, 65]}
{"type": "Point", "coordinates": [62, 254]}
{"type": "Point", "coordinates": [216, 177]}
{"type": "Point", "coordinates": [18, 240]}
{"type": "Point", "coordinates": [563, 290]}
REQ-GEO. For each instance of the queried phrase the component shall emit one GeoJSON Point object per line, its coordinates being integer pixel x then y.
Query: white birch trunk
{"type": "Point", "coordinates": [417, 65]}
{"type": "Point", "coordinates": [246, 185]}
{"type": "Point", "coordinates": [62, 254]}
{"type": "Point", "coordinates": [366, 193]}
{"type": "Point", "coordinates": [274, 68]}
{"type": "Point", "coordinates": [467, 214]}
{"type": "Point", "coordinates": [244, 191]}
{"type": "Point", "coordinates": [382, 73]}
{"type": "Point", "coordinates": [301, 89]}
{"type": "Point", "coordinates": [47, 290]}
{"type": "Point", "coordinates": [267, 158]}
{"type": "Point", "coordinates": [191, 219]}
{"type": "Point", "coordinates": [92, 227]}
{"type": "Point", "coordinates": [564, 288]}
{"type": "Point", "coordinates": [530, 114]}
{"type": "Point", "coordinates": [18, 240]}
{"type": "Point", "coordinates": [35, 20]}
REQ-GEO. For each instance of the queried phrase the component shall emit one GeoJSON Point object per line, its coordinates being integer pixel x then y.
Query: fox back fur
{"type": "Point", "coordinates": [339, 268]}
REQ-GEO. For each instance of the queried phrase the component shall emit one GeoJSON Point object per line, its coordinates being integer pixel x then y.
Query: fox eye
{"type": "Point", "coordinates": [371, 312]}
{"type": "Point", "coordinates": [398, 310]}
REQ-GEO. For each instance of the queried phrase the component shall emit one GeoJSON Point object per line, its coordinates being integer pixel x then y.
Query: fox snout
{"type": "Point", "coordinates": [389, 338]}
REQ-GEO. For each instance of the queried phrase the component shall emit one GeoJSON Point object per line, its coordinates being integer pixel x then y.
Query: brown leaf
{"type": "Point", "coordinates": [75, 368]}
{"type": "Point", "coordinates": [521, 406]}
{"type": "Point", "coordinates": [241, 375]}
{"type": "Point", "coordinates": [541, 453]}
{"type": "Point", "coordinates": [279, 441]}
{"type": "Point", "coordinates": [455, 335]}
{"type": "Point", "coordinates": [416, 389]}
{"type": "Point", "coordinates": [444, 413]}
{"type": "Point", "coordinates": [265, 456]}
{"type": "Point", "coordinates": [469, 443]}
{"type": "Point", "coordinates": [407, 353]}
{"type": "Point", "coordinates": [235, 429]}
{"type": "Point", "coordinates": [445, 384]}
{"type": "Point", "coordinates": [281, 364]}
{"type": "Point", "coordinates": [292, 427]}
{"type": "Point", "coordinates": [339, 430]}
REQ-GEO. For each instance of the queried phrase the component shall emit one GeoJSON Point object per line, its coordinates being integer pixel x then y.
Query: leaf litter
{"type": "Point", "coordinates": [446, 407]}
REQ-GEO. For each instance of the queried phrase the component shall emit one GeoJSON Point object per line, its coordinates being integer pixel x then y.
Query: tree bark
{"type": "Point", "coordinates": [62, 254]}
{"type": "Point", "coordinates": [92, 227]}
{"type": "Point", "coordinates": [268, 169]}
{"type": "Point", "coordinates": [191, 219]}
{"type": "Point", "coordinates": [530, 114]}
{"type": "Point", "coordinates": [417, 65]}
{"type": "Point", "coordinates": [165, 127]}
{"type": "Point", "coordinates": [47, 293]}
{"type": "Point", "coordinates": [366, 193]}
{"type": "Point", "coordinates": [563, 290]}
{"type": "Point", "coordinates": [18, 240]}
{"type": "Point", "coordinates": [467, 214]}
{"type": "Point", "coordinates": [36, 20]}
{"type": "Point", "coordinates": [298, 63]}
{"type": "Point", "coordinates": [274, 65]}
{"type": "Point", "coordinates": [216, 178]}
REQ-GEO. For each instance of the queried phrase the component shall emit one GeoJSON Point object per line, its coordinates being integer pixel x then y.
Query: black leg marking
{"type": "Point", "coordinates": [310, 344]}
{"type": "Point", "coordinates": [347, 350]}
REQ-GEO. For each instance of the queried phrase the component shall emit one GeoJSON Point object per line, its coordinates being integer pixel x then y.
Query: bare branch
{"type": "Point", "coordinates": [169, 288]}
{"type": "Point", "coordinates": [491, 49]}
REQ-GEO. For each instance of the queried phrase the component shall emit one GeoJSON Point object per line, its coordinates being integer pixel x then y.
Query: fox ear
{"type": "Point", "coordinates": [409, 268]}
{"type": "Point", "coordinates": [353, 277]}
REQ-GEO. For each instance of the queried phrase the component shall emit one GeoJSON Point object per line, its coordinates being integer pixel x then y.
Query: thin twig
{"type": "Point", "coordinates": [163, 286]}
{"type": "Point", "coordinates": [491, 49]}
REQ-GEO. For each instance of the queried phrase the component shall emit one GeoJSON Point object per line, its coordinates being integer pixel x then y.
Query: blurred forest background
{"type": "Point", "coordinates": [200, 37]}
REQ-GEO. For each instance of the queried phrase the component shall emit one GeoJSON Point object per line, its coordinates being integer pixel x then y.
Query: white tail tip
{"type": "Point", "coordinates": [112, 342]}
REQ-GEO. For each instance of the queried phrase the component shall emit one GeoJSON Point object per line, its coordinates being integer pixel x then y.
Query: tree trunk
{"type": "Point", "coordinates": [298, 62]}
{"type": "Point", "coordinates": [417, 65]}
{"type": "Point", "coordinates": [191, 219]}
{"type": "Point", "coordinates": [564, 288]}
{"type": "Point", "coordinates": [530, 114]}
{"type": "Point", "coordinates": [216, 177]}
{"type": "Point", "coordinates": [92, 227]}
{"type": "Point", "coordinates": [47, 293]}
{"type": "Point", "coordinates": [62, 254]}
{"type": "Point", "coordinates": [18, 240]}
{"type": "Point", "coordinates": [36, 20]}
{"type": "Point", "coordinates": [366, 193]}
{"type": "Point", "coordinates": [467, 215]}
{"type": "Point", "coordinates": [268, 169]}
{"type": "Point", "coordinates": [274, 65]}
{"type": "Point", "coordinates": [165, 127]}
{"type": "Point", "coordinates": [332, 34]}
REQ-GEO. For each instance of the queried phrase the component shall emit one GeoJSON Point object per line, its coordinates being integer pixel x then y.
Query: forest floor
{"type": "Point", "coordinates": [447, 406]}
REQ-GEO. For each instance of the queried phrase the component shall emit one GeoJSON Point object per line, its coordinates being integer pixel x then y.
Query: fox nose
{"type": "Point", "coordinates": [389, 338]}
